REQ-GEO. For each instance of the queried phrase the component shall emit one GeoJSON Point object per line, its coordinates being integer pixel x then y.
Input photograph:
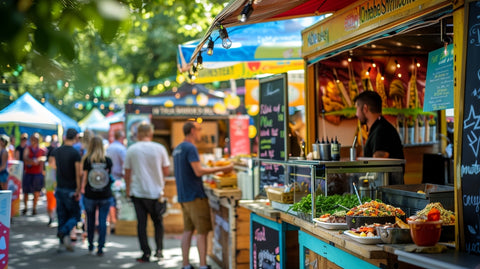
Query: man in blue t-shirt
{"type": "Point", "coordinates": [191, 194]}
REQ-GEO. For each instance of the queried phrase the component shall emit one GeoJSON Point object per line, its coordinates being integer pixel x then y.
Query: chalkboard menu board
{"type": "Point", "coordinates": [470, 167]}
{"type": "Point", "coordinates": [272, 118]}
{"type": "Point", "coordinates": [439, 84]}
{"type": "Point", "coordinates": [265, 245]}
{"type": "Point", "coordinates": [271, 174]}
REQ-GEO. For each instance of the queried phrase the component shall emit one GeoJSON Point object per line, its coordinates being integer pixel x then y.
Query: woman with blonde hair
{"type": "Point", "coordinates": [96, 184]}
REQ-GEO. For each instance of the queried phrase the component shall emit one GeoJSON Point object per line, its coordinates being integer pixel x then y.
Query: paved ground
{"type": "Point", "coordinates": [34, 245]}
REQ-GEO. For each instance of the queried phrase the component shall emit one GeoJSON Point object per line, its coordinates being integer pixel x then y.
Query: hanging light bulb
{"type": "Point", "coordinates": [226, 42]}
{"type": "Point", "coordinates": [199, 61]}
{"type": "Point", "coordinates": [246, 12]}
{"type": "Point", "coordinates": [210, 47]}
{"type": "Point", "coordinates": [398, 65]}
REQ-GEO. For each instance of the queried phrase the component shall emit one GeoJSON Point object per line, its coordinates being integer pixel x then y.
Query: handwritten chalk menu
{"type": "Point", "coordinates": [271, 174]}
{"type": "Point", "coordinates": [265, 244]}
{"type": "Point", "coordinates": [439, 82]}
{"type": "Point", "coordinates": [470, 166]}
{"type": "Point", "coordinates": [272, 118]}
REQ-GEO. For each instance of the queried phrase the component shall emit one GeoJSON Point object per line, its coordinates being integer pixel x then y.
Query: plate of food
{"type": "Point", "coordinates": [365, 235]}
{"type": "Point", "coordinates": [335, 221]}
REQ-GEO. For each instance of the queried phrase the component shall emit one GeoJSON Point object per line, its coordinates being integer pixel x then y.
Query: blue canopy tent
{"type": "Point", "coordinates": [103, 125]}
{"type": "Point", "coordinates": [67, 122]}
{"type": "Point", "coordinates": [27, 115]}
{"type": "Point", "coordinates": [275, 46]}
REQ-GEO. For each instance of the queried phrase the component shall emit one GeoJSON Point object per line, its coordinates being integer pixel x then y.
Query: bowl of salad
{"type": "Point", "coordinates": [373, 212]}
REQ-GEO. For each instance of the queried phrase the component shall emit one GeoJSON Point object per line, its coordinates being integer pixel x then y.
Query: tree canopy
{"type": "Point", "coordinates": [79, 54]}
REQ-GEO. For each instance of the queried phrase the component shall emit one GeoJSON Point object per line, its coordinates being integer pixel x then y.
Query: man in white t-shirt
{"type": "Point", "coordinates": [146, 165]}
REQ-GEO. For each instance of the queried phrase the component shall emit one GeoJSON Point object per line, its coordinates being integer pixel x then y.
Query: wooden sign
{"type": "Point", "coordinates": [470, 167]}
{"type": "Point", "coordinates": [272, 118]}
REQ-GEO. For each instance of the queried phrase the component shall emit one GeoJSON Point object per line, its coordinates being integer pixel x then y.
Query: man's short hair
{"type": "Point", "coordinates": [71, 133]}
{"type": "Point", "coordinates": [144, 129]}
{"type": "Point", "coordinates": [188, 127]}
{"type": "Point", "coordinates": [118, 134]}
{"type": "Point", "coordinates": [370, 98]}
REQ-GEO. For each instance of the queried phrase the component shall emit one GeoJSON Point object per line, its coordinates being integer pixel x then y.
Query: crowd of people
{"type": "Point", "coordinates": [77, 177]}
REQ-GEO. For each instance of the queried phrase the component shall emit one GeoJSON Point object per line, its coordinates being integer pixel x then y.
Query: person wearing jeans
{"type": "Point", "coordinates": [96, 183]}
{"type": "Point", "coordinates": [66, 161]}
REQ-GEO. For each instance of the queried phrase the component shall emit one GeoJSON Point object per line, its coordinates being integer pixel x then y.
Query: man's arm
{"type": "Point", "coordinates": [166, 171]}
{"type": "Point", "coordinates": [128, 181]}
{"type": "Point", "coordinates": [381, 154]}
{"type": "Point", "coordinates": [78, 173]}
{"type": "Point", "coordinates": [199, 170]}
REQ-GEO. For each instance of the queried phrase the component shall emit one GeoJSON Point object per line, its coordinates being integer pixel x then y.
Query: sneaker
{"type": "Point", "coordinates": [159, 254]}
{"type": "Point", "coordinates": [100, 253]}
{"type": "Point", "coordinates": [188, 267]}
{"type": "Point", "coordinates": [143, 259]}
{"type": "Point", "coordinates": [67, 243]}
{"type": "Point", "coordinates": [34, 212]}
{"type": "Point", "coordinates": [205, 267]}
{"type": "Point", "coordinates": [24, 212]}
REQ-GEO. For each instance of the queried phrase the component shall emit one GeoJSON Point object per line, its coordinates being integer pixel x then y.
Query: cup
{"type": "Point", "coordinates": [353, 154]}
{"type": "Point", "coordinates": [325, 152]}
{"type": "Point", "coordinates": [315, 151]}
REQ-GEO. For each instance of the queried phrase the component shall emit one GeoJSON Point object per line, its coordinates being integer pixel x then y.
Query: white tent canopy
{"type": "Point", "coordinates": [27, 111]}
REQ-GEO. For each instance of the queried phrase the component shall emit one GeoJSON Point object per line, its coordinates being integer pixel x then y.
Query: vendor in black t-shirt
{"type": "Point", "coordinates": [383, 139]}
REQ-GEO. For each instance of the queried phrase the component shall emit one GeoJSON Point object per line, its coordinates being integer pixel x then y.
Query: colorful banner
{"type": "Point", "coordinates": [239, 140]}
{"type": "Point", "coordinates": [247, 70]}
{"type": "Point", "coordinates": [15, 170]}
{"type": "Point", "coordinates": [5, 216]}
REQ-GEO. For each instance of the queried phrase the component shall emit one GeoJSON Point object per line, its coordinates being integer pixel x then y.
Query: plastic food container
{"type": "Point", "coordinates": [425, 233]}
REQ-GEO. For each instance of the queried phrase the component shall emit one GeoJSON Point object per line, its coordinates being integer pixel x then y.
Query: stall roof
{"type": "Point", "coordinates": [67, 122]}
{"type": "Point", "coordinates": [27, 111]}
{"type": "Point", "coordinates": [270, 10]}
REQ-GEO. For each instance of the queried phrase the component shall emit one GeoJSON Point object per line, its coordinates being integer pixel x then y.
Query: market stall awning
{"type": "Point", "coordinates": [263, 48]}
{"type": "Point", "coordinates": [268, 10]}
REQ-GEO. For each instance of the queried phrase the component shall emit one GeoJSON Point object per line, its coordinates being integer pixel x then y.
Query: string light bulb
{"type": "Point", "coordinates": [199, 61]}
{"type": "Point", "coordinates": [226, 42]}
{"type": "Point", "coordinates": [349, 59]}
{"type": "Point", "coordinates": [397, 64]}
{"type": "Point", "coordinates": [246, 12]}
{"type": "Point", "coordinates": [374, 65]}
{"type": "Point", "coordinates": [210, 46]}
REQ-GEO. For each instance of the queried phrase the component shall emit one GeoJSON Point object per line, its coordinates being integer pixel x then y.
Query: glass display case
{"type": "Point", "coordinates": [332, 177]}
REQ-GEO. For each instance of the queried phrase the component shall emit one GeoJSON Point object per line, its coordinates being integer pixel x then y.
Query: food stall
{"type": "Point", "coordinates": [370, 45]}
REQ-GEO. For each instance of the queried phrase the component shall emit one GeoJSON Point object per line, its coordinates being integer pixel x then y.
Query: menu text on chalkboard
{"type": "Point", "coordinates": [265, 246]}
{"type": "Point", "coordinates": [272, 118]}
{"type": "Point", "coordinates": [470, 166]}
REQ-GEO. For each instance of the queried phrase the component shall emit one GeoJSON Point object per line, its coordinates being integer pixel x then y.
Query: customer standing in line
{"type": "Point", "coordinates": [96, 183]}
{"type": "Point", "coordinates": [146, 165]}
{"type": "Point", "coordinates": [191, 194]}
{"type": "Point", "coordinates": [116, 151]}
{"type": "Point", "coordinates": [66, 160]}
{"type": "Point", "coordinates": [4, 162]}
{"type": "Point", "coordinates": [21, 147]}
{"type": "Point", "coordinates": [33, 182]}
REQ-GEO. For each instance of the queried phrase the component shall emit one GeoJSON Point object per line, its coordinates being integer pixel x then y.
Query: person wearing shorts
{"type": "Point", "coordinates": [191, 194]}
{"type": "Point", "coordinates": [34, 157]}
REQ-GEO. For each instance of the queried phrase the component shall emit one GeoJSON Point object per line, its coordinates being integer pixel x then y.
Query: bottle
{"type": "Point", "coordinates": [335, 150]}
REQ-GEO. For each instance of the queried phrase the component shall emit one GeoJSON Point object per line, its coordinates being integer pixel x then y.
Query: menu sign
{"type": "Point", "coordinates": [265, 246]}
{"type": "Point", "coordinates": [239, 140]}
{"type": "Point", "coordinates": [470, 166]}
{"type": "Point", "coordinates": [439, 85]}
{"type": "Point", "coordinates": [272, 118]}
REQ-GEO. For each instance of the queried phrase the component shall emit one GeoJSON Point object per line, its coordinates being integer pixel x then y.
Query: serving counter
{"type": "Point", "coordinates": [322, 248]}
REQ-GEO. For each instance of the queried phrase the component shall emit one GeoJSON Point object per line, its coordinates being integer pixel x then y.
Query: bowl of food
{"type": "Point", "coordinates": [359, 221]}
{"type": "Point", "coordinates": [425, 233]}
